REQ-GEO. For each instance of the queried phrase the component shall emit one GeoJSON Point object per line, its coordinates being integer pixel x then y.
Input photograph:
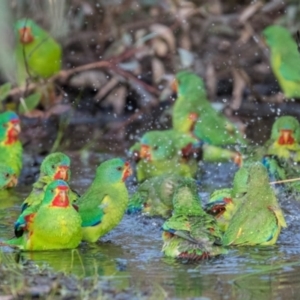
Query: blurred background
{"type": "Point", "coordinates": [119, 57]}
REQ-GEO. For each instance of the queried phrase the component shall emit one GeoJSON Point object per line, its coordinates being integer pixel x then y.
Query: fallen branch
{"type": "Point", "coordinates": [285, 180]}
{"type": "Point", "coordinates": [111, 64]}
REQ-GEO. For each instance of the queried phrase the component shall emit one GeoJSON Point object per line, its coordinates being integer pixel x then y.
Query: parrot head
{"type": "Point", "coordinates": [237, 158]}
{"type": "Point", "coordinates": [258, 176]}
{"type": "Point", "coordinates": [25, 30]}
{"type": "Point", "coordinates": [240, 182]}
{"type": "Point", "coordinates": [57, 166]}
{"type": "Point", "coordinates": [114, 171]}
{"type": "Point", "coordinates": [186, 199]}
{"type": "Point", "coordinates": [286, 131]}
{"type": "Point", "coordinates": [9, 127]}
{"type": "Point", "coordinates": [8, 178]}
{"type": "Point", "coordinates": [187, 82]}
{"type": "Point", "coordinates": [57, 194]}
{"type": "Point", "coordinates": [134, 152]}
{"type": "Point", "coordinates": [155, 145]}
{"type": "Point", "coordinates": [275, 35]}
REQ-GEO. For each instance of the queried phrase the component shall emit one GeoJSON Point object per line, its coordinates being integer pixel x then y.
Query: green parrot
{"type": "Point", "coordinates": [192, 112]}
{"type": "Point", "coordinates": [55, 224]}
{"type": "Point", "coordinates": [165, 151]}
{"type": "Point", "coordinates": [154, 196]}
{"type": "Point", "coordinates": [284, 59]}
{"type": "Point", "coordinates": [224, 203]}
{"type": "Point", "coordinates": [11, 149]}
{"type": "Point", "coordinates": [190, 233]}
{"type": "Point", "coordinates": [258, 221]}
{"type": "Point", "coordinates": [54, 166]}
{"type": "Point", "coordinates": [285, 139]}
{"type": "Point", "coordinates": [8, 178]}
{"type": "Point", "coordinates": [104, 203]}
{"type": "Point", "coordinates": [37, 53]}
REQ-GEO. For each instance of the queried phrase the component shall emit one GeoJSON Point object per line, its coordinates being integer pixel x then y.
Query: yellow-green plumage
{"type": "Point", "coordinates": [104, 203]}
{"type": "Point", "coordinates": [258, 221]}
{"type": "Point", "coordinates": [191, 103]}
{"type": "Point", "coordinates": [165, 151]}
{"type": "Point", "coordinates": [224, 203]}
{"type": "Point", "coordinates": [8, 178]}
{"type": "Point", "coordinates": [54, 166]}
{"type": "Point", "coordinates": [154, 196]}
{"type": "Point", "coordinates": [190, 233]}
{"type": "Point", "coordinates": [42, 52]}
{"type": "Point", "coordinates": [11, 149]}
{"type": "Point", "coordinates": [284, 59]}
{"type": "Point", "coordinates": [54, 225]}
{"type": "Point", "coordinates": [285, 139]}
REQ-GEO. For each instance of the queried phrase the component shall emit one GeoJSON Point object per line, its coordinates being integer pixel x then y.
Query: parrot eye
{"type": "Point", "coordinates": [7, 175]}
{"type": "Point", "coordinates": [119, 168]}
{"type": "Point", "coordinates": [155, 147]}
{"type": "Point", "coordinates": [53, 167]}
{"type": "Point", "coordinates": [5, 125]}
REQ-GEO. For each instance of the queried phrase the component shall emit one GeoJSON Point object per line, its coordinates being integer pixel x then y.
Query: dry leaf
{"type": "Point", "coordinates": [165, 33]}
{"type": "Point", "coordinates": [92, 79]}
{"type": "Point", "coordinates": [160, 47]}
{"type": "Point", "coordinates": [247, 33]}
{"type": "Point", "coordinates": [158, 70]}
{"type": "Point", "coordinates": [117, 99]}
{"type": "Point", "coordinates": [249, 11]}
{"type": "Point", "coordinates": [240, 79]}
{"type": "Point", "coordinates": [211, 81]}
{"type": "Point", "coordinates": [58, 109]}
{"type": "Point", "coordinates": [105, 89]}
{"type": "Point", "coordinates": [186, 57]}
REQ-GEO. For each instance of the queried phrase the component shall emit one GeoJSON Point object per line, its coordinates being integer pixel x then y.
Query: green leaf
{"type": "Point", "coordinates": [4, 90]}
{"type": "Point", "coordinates": [31, 102]}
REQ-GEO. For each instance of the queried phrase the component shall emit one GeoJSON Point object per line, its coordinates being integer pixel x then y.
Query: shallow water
{"type": "Point", "coordinates": [130, 255]}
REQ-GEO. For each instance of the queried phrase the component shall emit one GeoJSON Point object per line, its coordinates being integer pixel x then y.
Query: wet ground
{"type": "Point", "coordinates": [129, 257]}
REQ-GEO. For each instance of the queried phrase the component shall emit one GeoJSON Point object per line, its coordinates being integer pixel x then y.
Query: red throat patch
{"type": "Point", "coordinates": [61, 199]}
{"type": "Point", "coordinates": [193, 117]}
{"type": "Point", "coordinates": [127, 171]}
{"type": "Point", "coordinates": [286, 137]}
{"type": "Point", "coordinates": [26, 36]}
{"type": "Point", "coordinates": [62, 173]}
{"type": "Point", "coordinates": [174, 86]}
{"type": "Point", "coordinates": [13, 132]}
{"type": "Point", "coordinates": [187, 151]}
{"type": "Point", "coordinates": [145, 152]}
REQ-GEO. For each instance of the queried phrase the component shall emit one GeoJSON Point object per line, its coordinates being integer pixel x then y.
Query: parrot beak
{"type": "Point", "coordinates": [26, 36]}
{"type": "Point", "coordinates": [13, 181]}
{"type": "Point", "coordinates": [174, 86]}
{"type": "Point", "coordinates": [136, 156]}
{"type": "Point", "coordinates": [146, 207]}
{"type": "Point", "coordinates": [62, 173]}
{"type": "Point", "coordinates": [127, 171]}
{"type": "Point", "coordinates": [145, 152]}
{"type": "Point", "coordinates": [286, 137]}
{"type": "Point", "coordinates": [187, 151]}
{"type": "Point", "coordinates": [193, 116]}
{"type": "Point", "coordinates": [61, 199]}
{"type": "Point", "coordinates": [237, 159]}
{"type": "Point", "coordinates": [15, 126]}
{"type": "Point", "coordinates": [13, 130]}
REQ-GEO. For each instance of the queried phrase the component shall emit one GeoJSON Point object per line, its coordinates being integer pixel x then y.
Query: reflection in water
{"type": "Point", "coordinates": [131, 254]}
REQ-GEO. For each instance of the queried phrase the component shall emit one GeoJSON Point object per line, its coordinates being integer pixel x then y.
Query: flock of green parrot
{"type": "Point", "coordinates": [54, 216]}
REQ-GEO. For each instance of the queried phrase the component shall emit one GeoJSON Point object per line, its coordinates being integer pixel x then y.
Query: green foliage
{"type": "Point", "coordinates": [4, 90]}
{"type": "Point", "coordinates": [30, 102]}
